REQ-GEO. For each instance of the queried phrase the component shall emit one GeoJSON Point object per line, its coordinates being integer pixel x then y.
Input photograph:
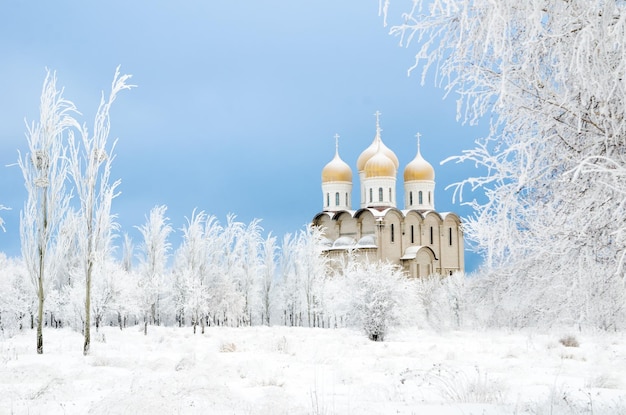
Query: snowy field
{"type": "Point", "coordinates": [282, 370]}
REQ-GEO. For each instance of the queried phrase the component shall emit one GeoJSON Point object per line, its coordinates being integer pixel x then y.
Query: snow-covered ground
{"type": "Point", "coordinates": [282, 370]}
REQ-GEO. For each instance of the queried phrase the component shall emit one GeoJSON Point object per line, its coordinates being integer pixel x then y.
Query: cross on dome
{"type": "Point", "coordinates": [418, 135]}
{"type": "Point", "coordinates": [378, 129]}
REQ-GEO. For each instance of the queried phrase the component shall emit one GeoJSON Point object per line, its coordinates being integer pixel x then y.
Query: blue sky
{"type": "Point", "coordinates": [236, 104]}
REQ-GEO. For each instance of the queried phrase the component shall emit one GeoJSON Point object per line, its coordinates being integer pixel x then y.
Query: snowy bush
{"type": "Point", "coordinates": [17, 301]}
{"type": "Point", "coordinates": [442, 300]}
{"type": "Point", "coordinates": [381, 295]}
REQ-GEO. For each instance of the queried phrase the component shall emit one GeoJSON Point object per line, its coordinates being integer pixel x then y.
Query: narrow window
{"type": "Point", "coordinates": [412, 236]}
{"type": "Point", "coordinates": [380, 194]}
{"type": "Point", "coordinates": [327, 199]}
{"type": "Point", "coordinates": [337, 199]}
{"type": "Point", "coordinates": [419, 197]}
{"type": "Point", "coordinates": [393, 235]}
{"type": "Point", "coordinates": [347, 201]}
{"type": "Point", "coordinates": [390, 199]}
{"type": "Point", "coordinates": [411, 198]}
{"type": "Point", "coordinates": [429, 199]}
{"type": "Point", "coordinates": [450, 236]}
{"type": "Point", "coordinates": [431, 235]}
{"type": "Point", "coordinates": [371, 195]}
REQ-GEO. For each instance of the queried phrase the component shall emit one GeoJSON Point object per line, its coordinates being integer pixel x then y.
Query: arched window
{"type": "Point", "coordinates": [429, 199]}
{"type": "Point", "coordinates": [380, 194]}
{"type": "Point", "coordinates": [431, 235]}
{"type": "Point", "coordinates": [410, 198]}
{"type": "Point", "coordinates": [347, 201]}
{"type": "Point", "coordinates": [412, 236]}
{"type": "Point", "coordinates": [450, 236]}
{"type": "Point", "coordinates": [390, 199]}
{"type": "Point", "coordinates": [419, 198]}
{"type": "Point", "coordinates": [393, 234]}
{"type": "Point", "coordinates": [371, 195]}
{"type": "Point", "coordinates": [337, 199]}
{"type": "Point", "coordinates": [327, 199]}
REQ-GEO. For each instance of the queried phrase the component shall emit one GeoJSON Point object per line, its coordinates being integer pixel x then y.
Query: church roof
{"type": "Point", "coordinates": [336, 170]}
{"type": "Point", "coordinates": [419, 168]}
{"type": "Point", "coordinates": [376, 146]}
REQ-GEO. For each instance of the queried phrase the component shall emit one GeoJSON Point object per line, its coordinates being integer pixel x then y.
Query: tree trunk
{"type": "Point", "coordinates": [42, 256]}
{"type": "Point", "coordinates": [88, 302]}
{"type": "Point", "coordinates": [40, 314]}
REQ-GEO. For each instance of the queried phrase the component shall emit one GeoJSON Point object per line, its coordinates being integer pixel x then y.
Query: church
{"type": "Point", "coordinates": [417, 238]}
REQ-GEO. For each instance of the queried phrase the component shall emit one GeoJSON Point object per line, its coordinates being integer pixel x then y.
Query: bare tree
{"type": "Point", "coordinates": [44, 168]}
{"type": "Point", "coordinates": [91, 160]}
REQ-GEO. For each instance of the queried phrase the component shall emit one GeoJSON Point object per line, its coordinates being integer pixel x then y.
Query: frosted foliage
{"type": "Point", "coordinates": [15, 303]}
{"type": "Point", "coordinates": [44, 168]}
{"type": "Point", "coordinates": [2, 207]}
{"type": "Point", "coordinates": [153, 254]}
{"type": "Point", "coordinates": [268, 266]}
{"type": "Point", "coordinates": [549, 75]}
{"type": "Point", "coordinates": [380, 294]}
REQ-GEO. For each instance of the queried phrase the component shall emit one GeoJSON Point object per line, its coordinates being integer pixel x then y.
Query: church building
{"type": "Point", "coordinates": [418, 238]}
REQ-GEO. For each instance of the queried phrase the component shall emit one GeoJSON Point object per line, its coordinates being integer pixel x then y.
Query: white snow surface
{"type": "Point", "coordinates": [287, 370]}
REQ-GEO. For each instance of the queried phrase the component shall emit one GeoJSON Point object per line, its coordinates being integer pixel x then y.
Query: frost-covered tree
{"type": "Point", "coordinates": [191, 291]}
{"type": "Point", "coordinates": [227, 302]}
{"type": "Point", "coordinates": [44, 168]}
{"type": "Point", "coordinates": [91, 158]}
{"type": "Point", "coordinates": [550, 76]}
{"type": "Point", "coordinates": [380, 294]}
{"type": "Point", "coordinates": [127, 253]}
{"type": "Point", "coordinates": [311, 267]}
{"type": "Point", "coordinates": [268, 261]}
{"type": "Point", "coordinates": [16, 299]}
{"type": "Point", "coordinates": [154, 252]}
{"type": "Point", "coordinates": [247, 252]}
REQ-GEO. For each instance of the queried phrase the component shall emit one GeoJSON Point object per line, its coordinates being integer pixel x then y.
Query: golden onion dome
{"type": "Point", "coordinates": [336, 170]}
{"type": "Point", "coordinates": [369, 152]}
{"type": "Point", "coordinates": [419, 169]}
{"type": "Point", "coordinates": [380, 165]}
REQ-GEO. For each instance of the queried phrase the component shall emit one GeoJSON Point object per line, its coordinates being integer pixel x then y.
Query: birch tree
{"type": "Point", "coordinates": [44, 168]}
{"type": "Point", "coordinates": [550, 78]}
{"type": "Point", "coordinates": [91, 158]}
